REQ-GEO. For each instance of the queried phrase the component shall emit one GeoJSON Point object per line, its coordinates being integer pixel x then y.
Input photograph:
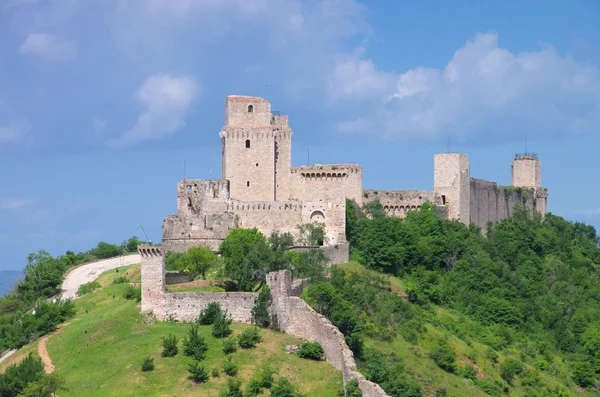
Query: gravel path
{"type": "Point", "coordinates": [81, 275]}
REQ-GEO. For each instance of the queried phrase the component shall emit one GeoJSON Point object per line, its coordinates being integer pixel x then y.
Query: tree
{"type": "Point", "coordinates": [197, 260]}
{"type": "Point", "coordinates": [47, 386]}
{"type": "Point", "coordinates": [247, 257]}
{"type": "Point", "coordinates": [132, 244]}
{"type": "Point", "coordinates": [312, 234]}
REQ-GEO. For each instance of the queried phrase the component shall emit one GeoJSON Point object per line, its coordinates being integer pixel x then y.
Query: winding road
{"type": "Point", "coordinates": [84, 274]}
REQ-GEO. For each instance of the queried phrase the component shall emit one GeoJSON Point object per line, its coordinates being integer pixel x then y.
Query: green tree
{"type": "Point", "coordinates": [197, 260]}
{"type": "Point", "coordinates": [247, 257]}
{"type": "Point", "coordinates": [47, 386]}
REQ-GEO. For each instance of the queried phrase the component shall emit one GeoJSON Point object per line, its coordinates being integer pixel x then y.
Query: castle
{"type": "Point", "coordinates": [260, 188]}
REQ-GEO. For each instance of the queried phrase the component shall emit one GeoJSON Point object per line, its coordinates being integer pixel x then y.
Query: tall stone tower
{"type": "Point", "coordinates": [256, 150]}
{"type": "Point", "coordinates": [452, 181]}
{"type": "Point", "coordinates": [526, 171]}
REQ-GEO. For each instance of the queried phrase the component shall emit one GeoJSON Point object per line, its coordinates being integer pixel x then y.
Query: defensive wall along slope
{"type": "Point", "coordinates": [292, 315]}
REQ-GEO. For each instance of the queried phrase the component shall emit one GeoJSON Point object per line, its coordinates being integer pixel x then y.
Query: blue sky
{"type": "Point", "coordinates": [101, 101]}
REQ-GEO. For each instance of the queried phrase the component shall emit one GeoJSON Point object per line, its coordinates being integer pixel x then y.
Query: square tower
{"type": "Point", "coordinates": [526, 170]}
{"type": "Point", "coordinates": [452, 181]}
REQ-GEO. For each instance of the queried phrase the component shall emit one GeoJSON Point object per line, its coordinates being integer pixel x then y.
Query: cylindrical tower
{"type": "Point", "coordinates": [526, 170]}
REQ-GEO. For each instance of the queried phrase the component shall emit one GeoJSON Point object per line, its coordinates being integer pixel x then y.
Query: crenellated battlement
{"type": "Point", "coordinates": [265, 205]}
{"type": "Point", "coordinates": [333, 169]}
{"type": "Point", "coordinates": [147, 251]}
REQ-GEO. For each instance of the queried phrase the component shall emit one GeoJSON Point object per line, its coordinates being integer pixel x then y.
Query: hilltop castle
{"type": "Point", "coordinates": [260, 188]}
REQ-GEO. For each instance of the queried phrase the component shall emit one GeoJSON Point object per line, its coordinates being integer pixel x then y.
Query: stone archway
{"type": "Point", "coordinates": [317, 216]}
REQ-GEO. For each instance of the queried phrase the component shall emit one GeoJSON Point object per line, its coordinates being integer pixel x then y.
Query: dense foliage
{"type": "Point", "coordinates": [532, 282]}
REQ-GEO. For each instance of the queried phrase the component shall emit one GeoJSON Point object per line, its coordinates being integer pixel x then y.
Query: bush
{"type": "Point", "coordinates": [283, 388]}
{"type": "Point", "coordinates": [222, 325]}
{"type": "Point", "coordinates": [583, 374]}
{"type": "Point", "coordinates": [253, 388]}
{"type": "Point", "coordinates": [492, 355]}
{"type": "Point", "coordinates": [120, 280]}
{"type": "Point", "coordinates": [311, 350]}
{"type": "Point", "coordinates": [209, 314]}
{"type": "Point", "coordinates": [215, 373]}
{"type": "Point", "coordinates": [198, 372]}
{"type": "Point", "coordinates": [352, 389]}
{"type": "Point", "coordinates": [194, 345]}
{"type": "Point", "coordinates": [229, 346]}
{"type": "Point", "coordinates": [47, 386]}
{"type": "Point", "coordinates": [88, 288]}
{"type": "Point", "coordinates": [170, 348]}
{"type": "Point", "coordinates": [263, 379]}
{"type": "Point", "coordinates": [444, 357]}
{"type": "Point", "coordinates": [469, 372]}
{"type": "Point", "coordinates": [249, 338]}
{"type": "Point", "coordinates": [260, 311]}
{"type": "Point", "coordinates": [18, 376]}
{"type": "Point", "coordinates": [230, 368]}
{"type": "Point", "coordinates": [133, 293]}
{"type": "Point", "coordinates": [234, 389]}
{"type": "Point", "coordinates": [147, 364]}
{"type": "Point", "coordinates": [509, 369]}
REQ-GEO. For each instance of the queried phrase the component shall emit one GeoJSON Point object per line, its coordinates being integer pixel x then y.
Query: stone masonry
{"type": "Point", "coordinates": [260, 188]}
{"type": "Point", "coordinates": [292, 315]}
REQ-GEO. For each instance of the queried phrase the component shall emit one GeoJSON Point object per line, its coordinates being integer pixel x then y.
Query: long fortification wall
{"type": "Point", "coordinates": [398, 202]}
{"type": "Point", "coordinates": [336, 254]}
{"type": "Point", "coordinates": [268, 216]}
{"type": "Point", "coordinates": [490, 202]}
{"type": "Point", "coordinates": [185, 306]}
{"type": "Point", "coordinates": [296, 317]}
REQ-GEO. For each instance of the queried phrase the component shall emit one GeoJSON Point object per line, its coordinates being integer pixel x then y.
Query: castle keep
{"type": "Point", "coordinates": [259, 187]}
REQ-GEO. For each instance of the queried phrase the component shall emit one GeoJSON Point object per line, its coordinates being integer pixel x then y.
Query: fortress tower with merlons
{"type": "Point", "coordinates": [260, 188]}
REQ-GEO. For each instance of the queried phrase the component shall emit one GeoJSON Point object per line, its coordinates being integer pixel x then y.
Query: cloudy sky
{"type": "Point", "coordinates": [101, 101]}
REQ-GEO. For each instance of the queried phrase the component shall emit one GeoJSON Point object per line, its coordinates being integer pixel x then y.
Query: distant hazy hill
{"type": "Point", "coordinates": [7, 279]}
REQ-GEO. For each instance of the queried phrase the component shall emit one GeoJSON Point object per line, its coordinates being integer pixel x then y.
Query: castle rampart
{"type": "Point", "coordinates": [399, 202]}
{"type": "Point", "coordinates": [184, 306]}
{"type": "Point", "coordinates": [296, 317]}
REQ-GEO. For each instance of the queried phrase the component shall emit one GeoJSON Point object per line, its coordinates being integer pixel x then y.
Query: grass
{"type": "Point", "coordinates": [441, 323]}
{"type": "Point", "coordinates": [100, 351]}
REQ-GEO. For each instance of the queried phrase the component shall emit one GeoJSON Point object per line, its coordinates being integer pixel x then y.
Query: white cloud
{"type": "Point", "coordinates": [48, 46]}
{"type": "Point", "coordinates": [483, 90]}
{"type": "Point", "coordinates": [166, 99]}
{"type": "Point", "coordinates": [15, 133]}
{"type": "Point", "coordinates": [13, 204]}
{"type": "Point", "coordinates": [588, 213]}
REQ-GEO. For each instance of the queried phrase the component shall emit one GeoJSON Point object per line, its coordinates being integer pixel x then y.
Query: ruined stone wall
{"type": "Point", "coordinates": [196, 196]}
{"type": "Point", "coordinates": [329, 183]}
{"type": "Point", "coordinates": [184, 306]}
{"type": "Point", "coordinates": [451, 181]}
{"type": "Point", "coordinates": [336, 254]}
{"type": "Point", "coordinates": [296, 317]}
{"type": "Point", "coordinates": [268, 216]}
{"type": "Point", "coordinates": [398, 202]}
{"type": "Point", "coordinates": [490, 202]}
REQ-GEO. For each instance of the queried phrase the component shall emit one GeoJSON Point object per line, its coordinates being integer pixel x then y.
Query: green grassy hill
{"type": "Point", "coordinates": [99, 352]}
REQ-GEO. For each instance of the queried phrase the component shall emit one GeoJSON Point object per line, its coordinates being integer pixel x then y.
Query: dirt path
{"type": "Point", "coordinates": [43, 352]}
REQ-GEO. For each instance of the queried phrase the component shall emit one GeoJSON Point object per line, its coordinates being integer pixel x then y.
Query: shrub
{"type": "Point", "coordinates": [352, 389]}
{"type": "Point", "coordinates": [509, 369]}
{"type": "Point", "coordinates": [583, 374]}
{"type": "Point", "coordinates": [311, 350]}
{"type": "Point", "coordinates": [198, 372]}
{"type": "Point", "coordinates": [265, 377]}
{"type": "Point", "coordinates": [16, 377]}
{"type": "Point", "coordinates": [229, 346]}
{"type": "Point", "coordinates": [209, 314]}
{"type": "Point", "coordinates": [88, 288]}
{"type": "Point", "coordinates": [120, 280]}
{"type": "Point", "coordinates": [147, 364]}
{"type": "Point", "coordinates": [283, 388]}
{"type": "Point", "coordinates": [260, 311]}
{"type": "Point", "coordinates": [469, 372]}
{"type": "Point", "coordinates": [47, 386]}
{"type": "Point", "coordinates": [170, 348]}
{"type": "Point", "coordinates": [249, 338]}
{"type": "Point", "coordinates": [194, 344]}
{"type": "Point", "coordinates": [215, 373]}
{"type": "Point", "coordinates": [133, 293]}
{"type": "Point", "coordinates": [253, 388]}
{"type": "Point", "coordinates": [234, 389]}
{"type": "Point", "coordinates": [230, 368]}
{"type": "Point", "coordinates": [222, 325]}
{"type": "Point", "coordinates": [444, 357]}
{"type": "Point", "coordinates": [492, 355]}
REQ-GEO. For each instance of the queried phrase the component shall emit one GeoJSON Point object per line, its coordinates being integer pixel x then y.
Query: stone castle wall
{"type": "Point", "coordinates": [185, 306]}
{"type": "Point", "coordinates": [329, 183]}
{"type": "Point", "coordinates": [296, 317]}
{"type": "Point", "coordinates": [398, 202]}
{"type": "Point", "coordinates": [336, 254]}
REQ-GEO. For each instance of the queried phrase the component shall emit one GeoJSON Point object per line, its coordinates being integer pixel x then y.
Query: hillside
{"type": "Point", "coordinates": [100, 350]}
{"type": "Point", "coordinates": [7, 279]}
